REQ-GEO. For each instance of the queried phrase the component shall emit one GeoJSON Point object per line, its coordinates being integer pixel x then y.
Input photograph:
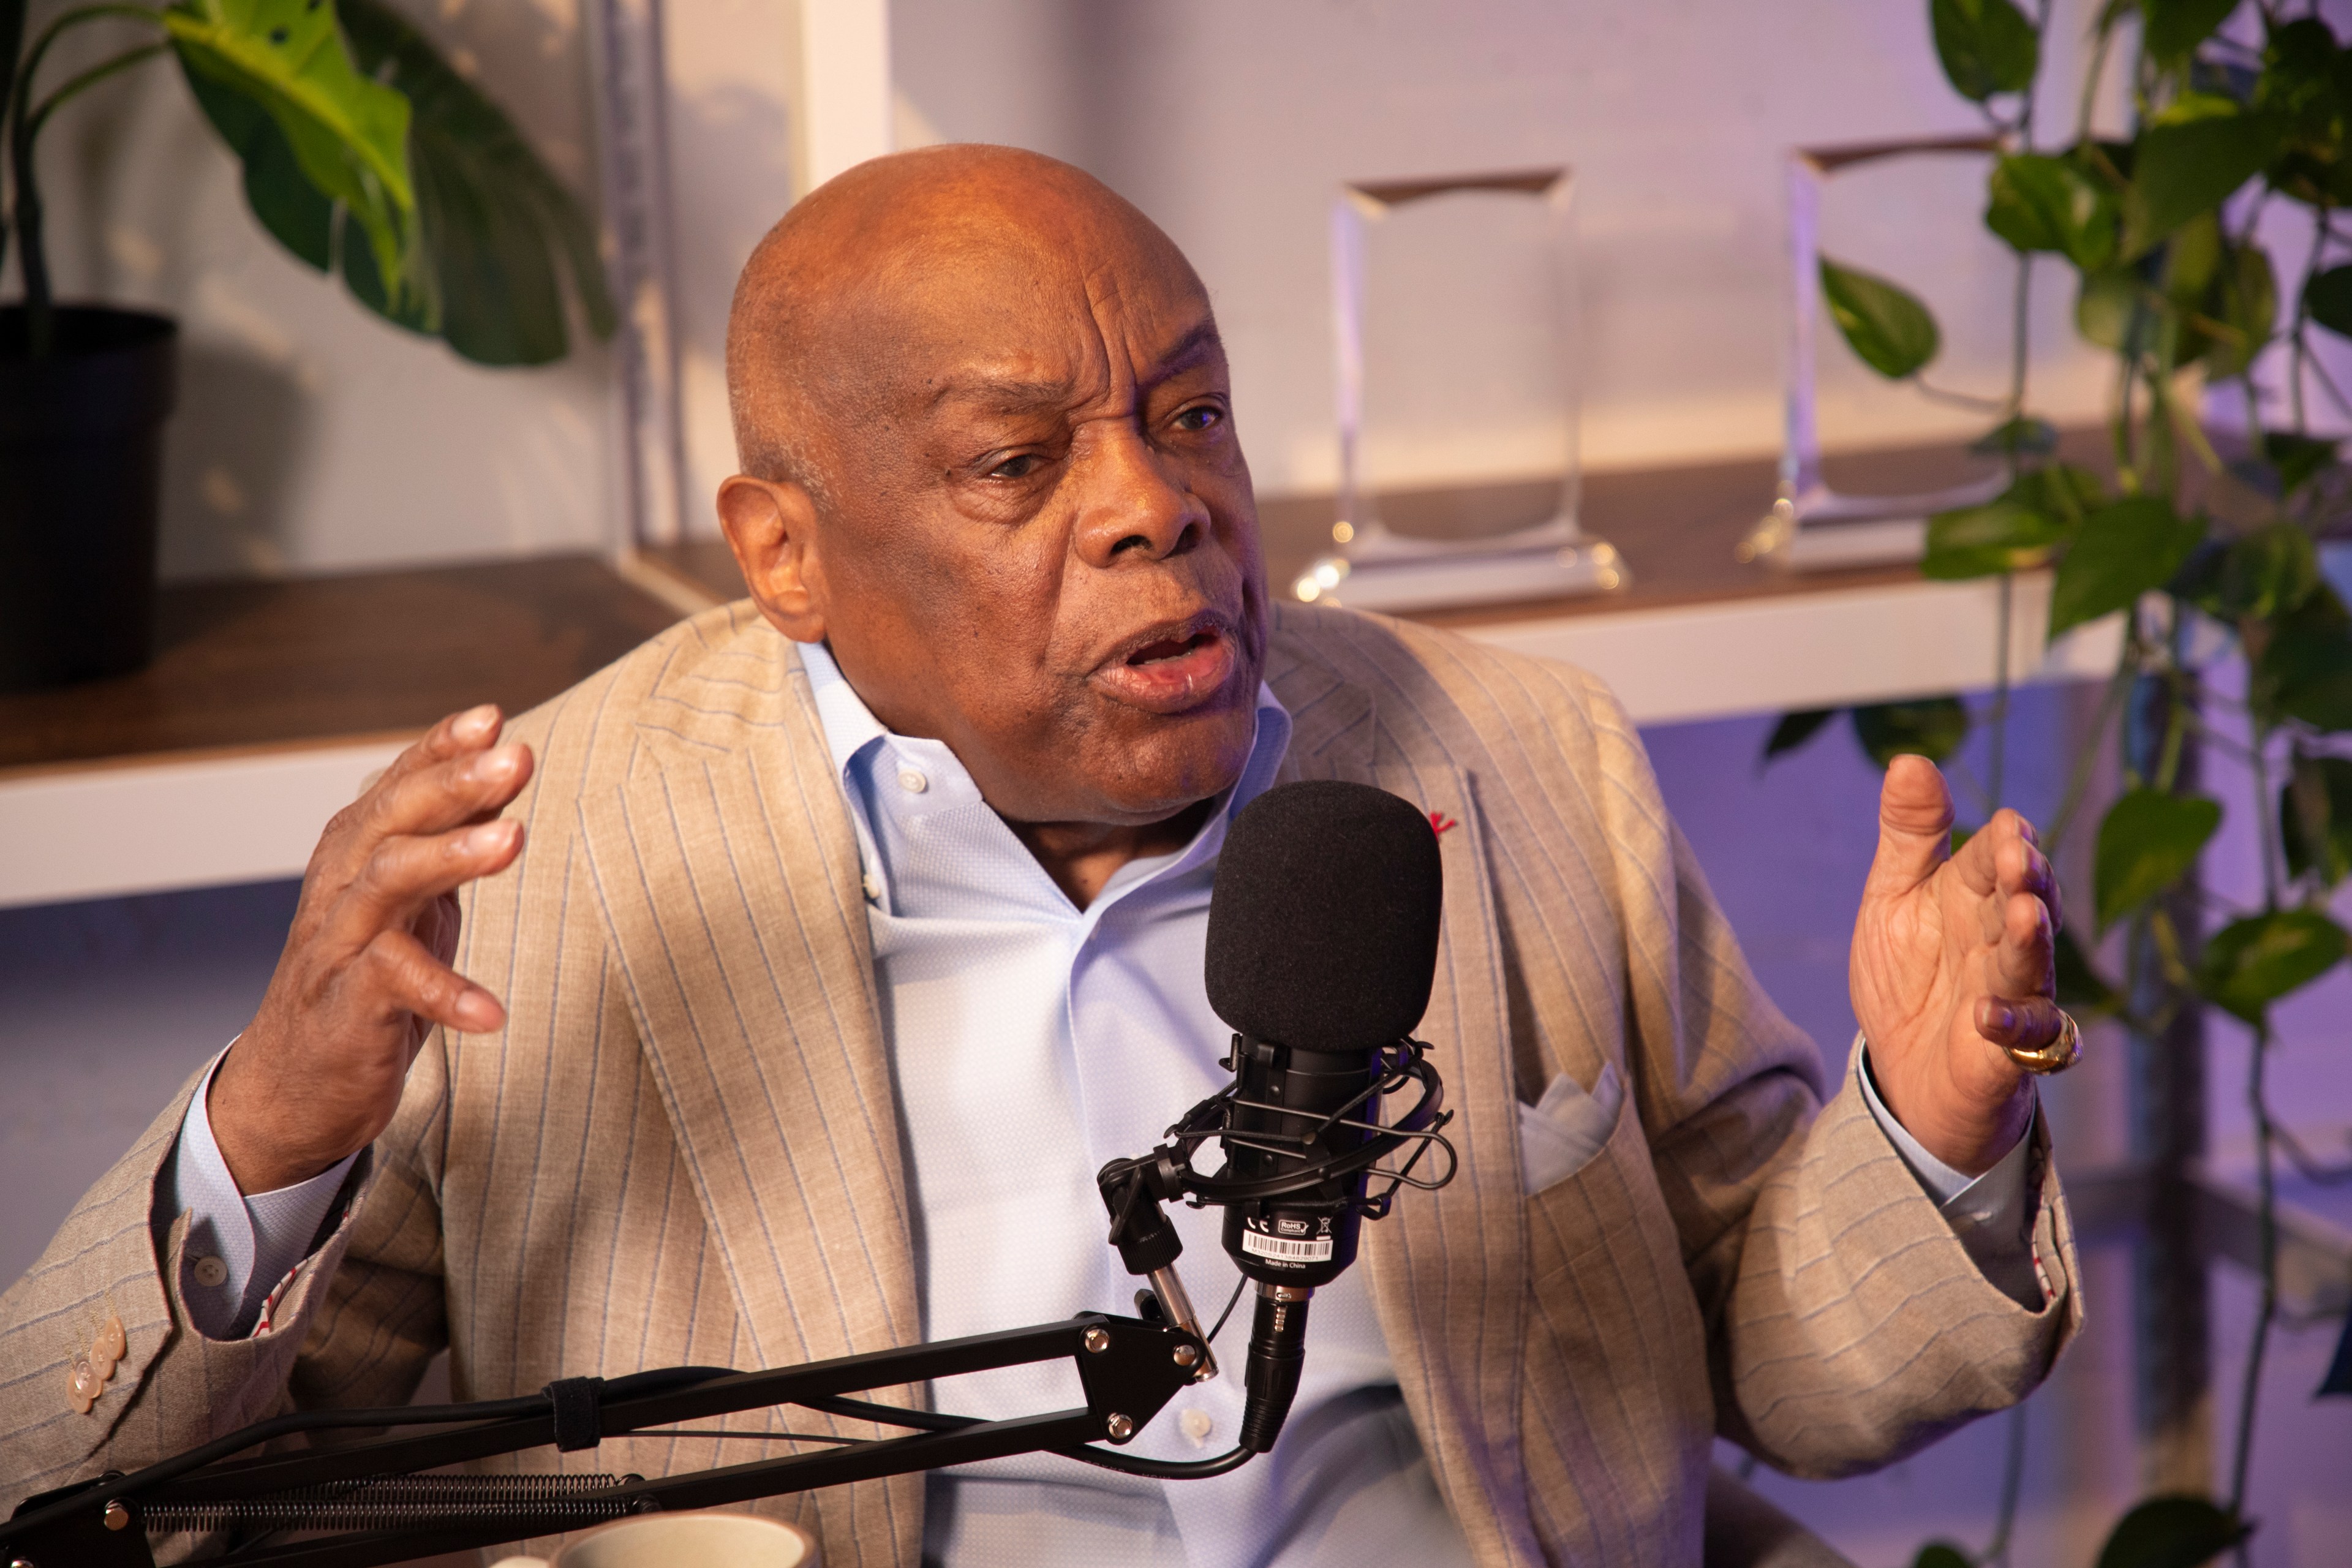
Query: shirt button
{"type": "Point", "coordinates": [873, 886]}
{"type": "Point", "coordinates": [210, 1272]}
{"type": "Point", "coordinates": [912, 782]}
{"type": "Point", "coordinates": [1196, 1424]}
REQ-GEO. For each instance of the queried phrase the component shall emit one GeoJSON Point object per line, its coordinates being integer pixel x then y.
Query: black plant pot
{"type": "Point", "coordinates": [81, 459]}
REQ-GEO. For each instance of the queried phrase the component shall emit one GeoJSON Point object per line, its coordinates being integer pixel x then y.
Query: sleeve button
{"type": "Point", "coordinates": [84, 1384]}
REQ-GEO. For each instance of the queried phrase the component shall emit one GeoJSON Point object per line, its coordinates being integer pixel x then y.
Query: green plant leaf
{"type": "Point", "coordinates": [2107, 304]}
{"type": "Point", "coordinates": [2169, 29]}
{"type": "Point", "coordinates": [2023, 436]}
{"type": "Point", "coordinates": [2298, 75]}
{"type": "Point", "coordinates": [282, 197]}
{"type": "Point", "coordinates": [2121, 552]}
{"type": "Point", "coordinates": [2338, 1381]}
{"type": "Point", "coordinates": [1941, 1554]}
{"type": "Point", "coordinates": [2249, 963]}
{"type": "Point", "coordinates": [1986, 47]}
{"type": "Point", "coordinates": [2303, 80]}
{"type": "Point", "coordinates": [2303, 665]}
{"type": "Point", "coordinates": [348, 134]}
{"type": "Point", "coordinates": [2081, 991]}
{"type": "Point", "coordinates": [2196, 104]}
{"type": "Point", "coordinates": [496, 220]}
{"type": "Point", "coordinates": [2037, 202]}
{"type": "Point", "coordinates": [1929, 727]}
{"type": "Point", "coordinates": [2244, 301]}
{"type": "Point", "coordinates": [2316, 818]}
{"type": "Point", "coordinates": [2171, 1532]}
{"type": "Point", "coordinates": [2297, 458]}
{"type": "Point", "coordinates": [1793, 731]}
{"type": "Point", "coordinates": [2060, 491]}
{"type": "Point", "coordinates": [2149, 838]}
{"type": "Point", "coordinates": [412, 307]}
{"type": "Point", "coordinates": [1887, 327]}
{"type": "Point", "coordinates": [2193, 260]}
{"type": "Point", "coordinates": [1986, 540]}
{"type": "Point", "coordinates": [2015, 530]}
{"type": "Point", "coordinates": [2186, 169]}
{"type": "Point", "coordinates": [2261, 575]}
{"type": "Point", "coordinates": [2328, 299]}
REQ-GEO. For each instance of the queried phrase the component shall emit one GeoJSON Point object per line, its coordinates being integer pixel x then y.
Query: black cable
{"type": "Point", "coordinates": [1161, 1470]}
{"type": "Point", "coordinates": [1231, 1302]}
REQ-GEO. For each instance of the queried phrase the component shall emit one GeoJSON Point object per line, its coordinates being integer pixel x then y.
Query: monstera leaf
{"type": "Point", "coordinates": [496, 219]}
{"type": "Point", "coordinates": [484, 227]}
{"type": "Point", "coordinates": [347, 135]}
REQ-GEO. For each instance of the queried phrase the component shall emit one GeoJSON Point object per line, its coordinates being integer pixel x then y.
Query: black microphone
{"type": "Point", "coordinates": [1322, 946]}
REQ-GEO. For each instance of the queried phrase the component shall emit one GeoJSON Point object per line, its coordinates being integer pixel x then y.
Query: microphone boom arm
{"type": "Point", "coordinates": [1128, 1368]}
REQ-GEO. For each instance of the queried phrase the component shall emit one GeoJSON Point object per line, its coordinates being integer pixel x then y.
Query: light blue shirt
{"type": "Point", "coordinates": [1032, 1041]}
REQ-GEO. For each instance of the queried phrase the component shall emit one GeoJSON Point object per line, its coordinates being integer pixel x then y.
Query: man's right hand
{"type": "Point", "coordinates": [365, 973]}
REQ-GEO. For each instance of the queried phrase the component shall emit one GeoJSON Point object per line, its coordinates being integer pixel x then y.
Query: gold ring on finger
{"type": "Point", "coordinates": [2064, 1050]}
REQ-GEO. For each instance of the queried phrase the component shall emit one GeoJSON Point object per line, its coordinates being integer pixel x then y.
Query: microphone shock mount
{"type": "Point", "coordinates": [1304, 1149]}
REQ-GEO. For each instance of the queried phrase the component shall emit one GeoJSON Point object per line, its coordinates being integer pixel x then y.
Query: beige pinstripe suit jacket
{"type": "Point", "coordinates": [682, 1149]}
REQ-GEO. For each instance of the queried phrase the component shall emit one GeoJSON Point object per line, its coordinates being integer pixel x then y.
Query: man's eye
{"type": "Point", "coordinates": [1200, 417]}
{"type": "Point", "coordinates": [1018, 467]}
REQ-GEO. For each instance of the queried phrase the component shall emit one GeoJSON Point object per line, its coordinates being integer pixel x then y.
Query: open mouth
{"type": "Point", "coordinates": [1173, 648]}
{"type": "Point", "coordinates": [1175, 669]}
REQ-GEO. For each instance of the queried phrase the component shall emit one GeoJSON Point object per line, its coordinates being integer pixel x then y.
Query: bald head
{"type": "Point", "coordinates": [987, 429]}
{"type": "Point", "coordinates": [830, 314]}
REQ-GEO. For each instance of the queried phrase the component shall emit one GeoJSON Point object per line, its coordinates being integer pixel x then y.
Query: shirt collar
{"type": "Point", "coordinates": [851, 730]}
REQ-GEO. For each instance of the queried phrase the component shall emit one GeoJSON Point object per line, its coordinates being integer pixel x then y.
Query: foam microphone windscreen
{"type": "Point", "coordinates": [1323, 927]}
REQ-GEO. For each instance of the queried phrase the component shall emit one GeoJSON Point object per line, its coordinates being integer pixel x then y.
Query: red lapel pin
{"type": "Point", "coordinates": [1439, 821]}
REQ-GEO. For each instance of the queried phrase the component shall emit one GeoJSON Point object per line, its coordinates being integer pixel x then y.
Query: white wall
{"type": "Point", "coordinates": [315, 437]}
{"type": "Point", "coordinates": [311, 435]}
{"type": "Point", "coordinates": [1232, 122]}
{"type": "Point", "coordinates": [732, 67]}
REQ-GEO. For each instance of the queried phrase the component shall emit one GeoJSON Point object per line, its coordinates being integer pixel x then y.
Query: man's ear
{"type": "Point", "coordinates": [771, 526]}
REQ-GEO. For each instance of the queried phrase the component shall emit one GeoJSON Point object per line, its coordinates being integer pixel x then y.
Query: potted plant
{"type": "Point", "coordinates": [366, 154]}
{"type": "Point", "coordinates": [2202, 541]}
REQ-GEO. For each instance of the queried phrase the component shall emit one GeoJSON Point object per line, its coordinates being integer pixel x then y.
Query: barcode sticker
{"type": "Point", "coordinates": [1316, 1249]}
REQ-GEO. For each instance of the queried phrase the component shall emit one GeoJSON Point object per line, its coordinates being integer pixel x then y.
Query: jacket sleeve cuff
{"type": "Point", "coordinates": [1992, 1214]}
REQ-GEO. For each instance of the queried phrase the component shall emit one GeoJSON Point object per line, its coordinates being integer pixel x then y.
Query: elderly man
{"type": "Point", "coordinates": [812, 957]}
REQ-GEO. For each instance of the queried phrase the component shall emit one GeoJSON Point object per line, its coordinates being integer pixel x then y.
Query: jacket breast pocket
{"type": "Point", "coordinates": [1563, 1131]}
{"type": "Point", "coordinates": [1579, 1210]}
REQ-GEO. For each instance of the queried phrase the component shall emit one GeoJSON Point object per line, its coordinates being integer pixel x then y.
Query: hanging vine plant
{"type": "Point", "coordinates": [2207, 549]}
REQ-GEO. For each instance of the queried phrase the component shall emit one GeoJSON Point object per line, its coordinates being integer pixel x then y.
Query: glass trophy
{"type": "Point", "coordinates": [1454, 305]}
{"type": "Point", "coordinates": [1813, 525]}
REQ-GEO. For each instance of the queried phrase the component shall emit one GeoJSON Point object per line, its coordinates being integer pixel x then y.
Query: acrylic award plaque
{"type": "Point", "coordinates": [1812, 525]}
{"type": "Point", "coordinates": [1454, 305]}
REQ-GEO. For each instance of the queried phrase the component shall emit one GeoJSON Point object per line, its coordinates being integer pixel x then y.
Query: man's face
{"type": "Point", "coordinates": [1043, 546]}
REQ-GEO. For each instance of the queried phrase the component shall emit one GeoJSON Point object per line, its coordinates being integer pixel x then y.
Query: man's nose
{"type": "Point", "coordinates": [1136, 500]}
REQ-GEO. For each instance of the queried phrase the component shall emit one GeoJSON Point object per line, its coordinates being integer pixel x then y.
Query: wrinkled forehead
{"type": "Point", "coordinates": [1082, 302]}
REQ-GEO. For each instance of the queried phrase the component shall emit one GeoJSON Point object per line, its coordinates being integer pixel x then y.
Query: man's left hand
{"type": "Point", "coordinates": [1952, 960]}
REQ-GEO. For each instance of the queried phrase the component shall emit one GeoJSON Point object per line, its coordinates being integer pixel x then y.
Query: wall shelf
{"type": "Point", "coordinates": [271, 702]}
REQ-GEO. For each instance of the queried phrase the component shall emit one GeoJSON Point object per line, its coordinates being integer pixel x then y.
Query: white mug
{"type": "Point", "coordinates": [683, 1540]}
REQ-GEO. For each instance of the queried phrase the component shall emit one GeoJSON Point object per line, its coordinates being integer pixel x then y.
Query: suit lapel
{"type": "Point", "coordinates": [727, 873]}
{"type": "Point", "coordinates": [1448, 1270]}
